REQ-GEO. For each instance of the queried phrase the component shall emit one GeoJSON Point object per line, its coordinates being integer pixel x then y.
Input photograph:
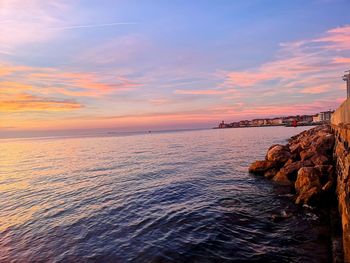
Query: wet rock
{"type": "Point", "coordinates": [307, 178]}
{"type": "Point", "coordinates": [309, 197]}
{"type": "Point", "coordinates": [269, 174]}
{"type": "Point", "coordinates": [260, 167]}
{"type": "Point", "coordinates": [279, 217]}
{"type": "Point", "coordinates": [281, 179]}
{"type": "Point", "coordinates": [278, 153]}
{"type": "Point", "coordinates": [307, 185]}
{"type": "Point", "coordinates": [291, 170]}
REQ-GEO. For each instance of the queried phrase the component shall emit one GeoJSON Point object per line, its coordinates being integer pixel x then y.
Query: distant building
{"type": "Point", "coordinates": [222, 125]}
{"type": "Point", "coordinates": [276, 121]}
{"type": "Point", "coordinates": [244, 123]}
{"type": "Point", "coordinates": [346, 78]}
{"type": "Point", "coordinates": [289, 119]}
{"type": "Point", "coordinates": [257, 122]}
{"type": "Point", "coordinates": [316, 118]}
{"type": "Point", "coordinates": [306, 118]}
{"type": "Point", "coordinates": [325, 116]}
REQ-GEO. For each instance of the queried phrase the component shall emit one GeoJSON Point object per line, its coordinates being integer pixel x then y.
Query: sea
{"type": "Point", "coordinates": [175, 196]}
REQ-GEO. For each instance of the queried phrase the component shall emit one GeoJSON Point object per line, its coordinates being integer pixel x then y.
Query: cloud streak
{"type": "Point", "coordinates": [94, 25]}
{"type": "Point", "coordinates": [26, 102]}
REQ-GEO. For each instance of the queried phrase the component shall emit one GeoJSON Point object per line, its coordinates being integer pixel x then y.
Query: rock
{"type": "Point", "coordinates": [291, 170]}
{"type": "Point", "coordinates": [325, 143]}
{"type": "Point", "coordinates": [307, 153]}
{"type": "Point", "coordinates": [326, 172]}
{"type": "Point", "coordinates": [308, 186]}
{"type": "Point", "coordinates": [281, 179]}
{"type": "Point", "coordinates": [278, 153]}
{"type": "Point", "coordinates": [319, 159]}
{"type": "Point", "coordinates": [269, 174]}
{"type": "Point", "coordinates": [307, 178]}
{"type": "Point", "coordinates": [311, 196]}
{"type": "Point", "coordinates": [260, 167]}
{"type": "Point", "coordinates": [295, 148]}
{"type": "Point", "coordinates": [279, 217]}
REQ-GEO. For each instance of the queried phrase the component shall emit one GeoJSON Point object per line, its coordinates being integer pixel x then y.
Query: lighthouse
{"type": "Point", "coordinates": [346, 78]}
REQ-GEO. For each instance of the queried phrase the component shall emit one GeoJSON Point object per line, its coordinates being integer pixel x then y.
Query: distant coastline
{"type": "Point", "coordinates": [287, 121]}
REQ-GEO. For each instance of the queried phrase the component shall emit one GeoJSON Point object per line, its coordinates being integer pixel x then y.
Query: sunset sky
{"type": "Point", "coordinates": [141, 65]}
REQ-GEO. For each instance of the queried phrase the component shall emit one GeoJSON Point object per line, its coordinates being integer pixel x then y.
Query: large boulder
{"type": "Point", "coordinates": [260, 167]}
{"type": "Point", "coordinates": [278, 154]}
{"type": "Point", "coordinates": [282, 179]}
{"type": "Point", "coordinates": [308, 185]}
{"type": "Point", "coordinates": [310, 196]}
{"type": "Point", "coordinates": [307, 178]}
{"type": "Point", "coordinates": [290, 170]}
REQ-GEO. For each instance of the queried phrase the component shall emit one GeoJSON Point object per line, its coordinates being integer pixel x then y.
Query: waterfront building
{"type": "Point", "coordinates": [316, 118]}
{"type": "Point", "coordinates": [325, 116]}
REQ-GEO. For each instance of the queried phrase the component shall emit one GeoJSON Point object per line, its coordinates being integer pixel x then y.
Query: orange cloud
{"type": "Point", "coordinates": [342, 60]}
{"type": "Point", "coordinates": [26, 102]}
{"type": "Point", "coordinates": [336, 38]}
{"type": "Point", "coordinates": [202, 92]}
{"type": "Point", "coordinates": [311, 66]}
{"type": "Point", "coordinates": [53, 82]}
{"type": "Point", "coordinates": [316, 89]}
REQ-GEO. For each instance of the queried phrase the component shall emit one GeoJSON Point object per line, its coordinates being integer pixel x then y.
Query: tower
{"type": "Point", "coordinates": [346, 78]}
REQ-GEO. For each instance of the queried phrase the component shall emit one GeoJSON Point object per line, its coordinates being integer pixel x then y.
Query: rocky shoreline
{"type": "Point", "coordinates": [305, 164]}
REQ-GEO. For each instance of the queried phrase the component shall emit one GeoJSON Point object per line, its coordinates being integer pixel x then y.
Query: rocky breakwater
{"type": "Point", "coordinates": [305, 164]}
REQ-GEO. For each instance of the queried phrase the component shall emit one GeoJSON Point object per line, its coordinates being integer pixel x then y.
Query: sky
{"type": "Point", "coordinates": [147, 65]}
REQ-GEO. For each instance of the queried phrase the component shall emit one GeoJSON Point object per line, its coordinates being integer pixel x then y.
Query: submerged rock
{"type": "Point", "coordinates": [281, 179]}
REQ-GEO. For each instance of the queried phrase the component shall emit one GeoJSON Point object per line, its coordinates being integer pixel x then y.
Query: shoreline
{"type": "Point", "coordinates": [306, 165]}
{"type": "Point", "coordinates": [264, 126]}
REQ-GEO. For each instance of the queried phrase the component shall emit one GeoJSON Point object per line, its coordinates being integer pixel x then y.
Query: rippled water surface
{"type": "Point", "coordinates": [159, 197]}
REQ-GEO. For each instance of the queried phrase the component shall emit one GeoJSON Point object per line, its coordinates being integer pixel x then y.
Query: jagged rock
{"type": "Point", "coordinates": [269, 174]}
{"type": "Point", "coordinates": [291, 170]}
{"type": "Point", "coordinates": [319, 159]}
{"type": "Point", "coordinates": [324, 144]}
{"type": "Point", "coordinates": [303, 163]}
{"type": "Point", "coordinates": [307, 185]}
{"type": "Point", "coordinates": [260, 167]}
{"type": "Point", "coordinates": [307, 178]}
{"type": "Point", "coordinates": [307, 153]}
{"type": "Point", "coordinates": [311, 196]}
{"type": "Point", "coordinates": [281, 179]}
{"type": "Point", "coordinates": [278, 153]}
{"type": "Point", "coordinates": [290, 161]}
{"type": "Point", "coordinates": [326, 172]}
{"type": "Point", "coordinates": [295, 148]}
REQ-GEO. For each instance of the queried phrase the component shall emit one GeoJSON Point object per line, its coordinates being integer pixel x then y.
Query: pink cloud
{"type": "Point", "coordinates": [300, 67]}
{"type": "Point", "coordinates": [203, 92]}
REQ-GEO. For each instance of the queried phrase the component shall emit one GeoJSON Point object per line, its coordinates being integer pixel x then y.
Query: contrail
{"type": "Point", "coordinates": [94, 25]}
